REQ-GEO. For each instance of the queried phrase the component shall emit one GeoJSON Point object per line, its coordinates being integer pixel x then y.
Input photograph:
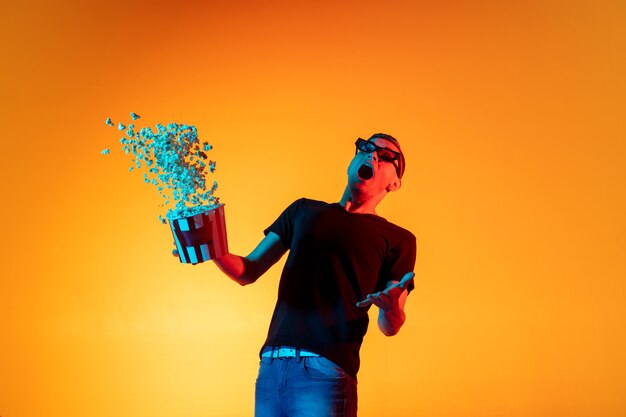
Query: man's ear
{"type": "Point", "coordinates": [394, 185]}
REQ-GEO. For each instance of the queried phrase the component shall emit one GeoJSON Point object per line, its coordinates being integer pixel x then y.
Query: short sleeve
{"type": "Point", "coordinates": [283, 225]}
{"type": "Point", "coordinates": [400, 260]}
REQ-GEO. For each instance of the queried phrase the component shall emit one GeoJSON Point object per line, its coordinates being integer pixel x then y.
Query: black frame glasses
{"type": "Point", "coordinates": [385, 154]}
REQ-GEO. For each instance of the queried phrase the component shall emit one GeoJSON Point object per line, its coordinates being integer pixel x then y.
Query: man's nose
{"type": "Point", "coordinates": [372, 156]}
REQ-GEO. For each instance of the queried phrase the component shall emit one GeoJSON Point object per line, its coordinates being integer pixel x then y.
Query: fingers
{"type": "Point", "coordinates": [380, 299]}
{"type": "Point", "coordinates": [384, 299]}
{"type": "Point", "coordinates": [368, 301]}
{"type": "Point", "coordinates": [406, 279]}
{"type": "Point", "coordinates": [175, 252]}
{"type": "Point", "coordinates": [364, 303]}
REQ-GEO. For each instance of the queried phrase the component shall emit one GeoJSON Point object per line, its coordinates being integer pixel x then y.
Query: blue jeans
{"type": "Point", "coordinates": [304, 387]}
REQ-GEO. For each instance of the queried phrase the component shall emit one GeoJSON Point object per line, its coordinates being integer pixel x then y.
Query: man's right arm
{"type": "Point", "coordinates": [246, 270]}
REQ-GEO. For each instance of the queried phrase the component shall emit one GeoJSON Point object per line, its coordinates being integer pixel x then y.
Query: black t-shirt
{"type": "Point", "coordinates": [336, 259]}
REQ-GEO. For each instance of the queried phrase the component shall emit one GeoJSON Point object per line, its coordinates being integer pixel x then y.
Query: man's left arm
{"type": "Point", "coordinates": [390, 302]}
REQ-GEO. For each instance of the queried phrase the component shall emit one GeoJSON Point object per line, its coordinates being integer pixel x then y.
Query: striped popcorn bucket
{"type": "Point", "coordinates": [201, 237]}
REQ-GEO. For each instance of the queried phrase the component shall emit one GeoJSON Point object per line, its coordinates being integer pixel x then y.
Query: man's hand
{"type": "Point", "coordinates": [389, 298]}
{"type": "Point", "coordinates": [390, 302]}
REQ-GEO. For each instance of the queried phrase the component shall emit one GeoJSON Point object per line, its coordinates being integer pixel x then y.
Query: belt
{"type": "Point", "coordinates": [286, 352]}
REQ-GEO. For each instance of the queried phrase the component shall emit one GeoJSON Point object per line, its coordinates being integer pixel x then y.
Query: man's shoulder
{"type": "Point", "coordinates": [309, 202]}
{"type": "Point", "coordinates": [399, 231]}
{"type": "Point", "coordinates": [306, 200]}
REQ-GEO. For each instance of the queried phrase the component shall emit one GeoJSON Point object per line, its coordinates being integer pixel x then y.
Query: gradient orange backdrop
{"type": "Point", "coordinates": [512, 120]}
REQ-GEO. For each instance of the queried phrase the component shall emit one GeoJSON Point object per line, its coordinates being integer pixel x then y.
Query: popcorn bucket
{"type": "Point", "coordinates": [201, 237]}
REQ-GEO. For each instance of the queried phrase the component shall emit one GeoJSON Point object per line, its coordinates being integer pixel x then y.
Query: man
{"type": "Point", "coordinates": [343, 258]}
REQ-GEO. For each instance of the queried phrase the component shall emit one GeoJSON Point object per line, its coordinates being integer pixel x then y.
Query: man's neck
{"type": "Point", "coordinates": [359, 204]}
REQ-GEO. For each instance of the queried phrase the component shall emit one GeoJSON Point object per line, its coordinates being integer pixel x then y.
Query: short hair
{"type": "Point", "coordinates": [401, 161]}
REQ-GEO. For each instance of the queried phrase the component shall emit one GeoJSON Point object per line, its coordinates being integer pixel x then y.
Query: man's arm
{"type": "Point", "coordinates": [246, 270]}
{"type": "Point", "coordinates": [391, 315]}
{"type": "Point", "coordinates": [390, 302]}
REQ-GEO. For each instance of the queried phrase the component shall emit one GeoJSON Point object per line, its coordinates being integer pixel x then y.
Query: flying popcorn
{"type": "Point", "coordinates": [174, 160]}
{"type": "Point", "coordinates": [106, 151]}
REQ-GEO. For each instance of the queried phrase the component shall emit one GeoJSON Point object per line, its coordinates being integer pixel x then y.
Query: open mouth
{"type": "Point", "coordinates": [365, 172]}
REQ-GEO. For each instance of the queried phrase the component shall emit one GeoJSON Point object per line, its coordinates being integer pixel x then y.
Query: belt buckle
{"type": "Point", "coordinates": [287, 353]}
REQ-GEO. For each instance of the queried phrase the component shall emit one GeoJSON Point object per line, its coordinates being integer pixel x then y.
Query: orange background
{"type": "Point", "coordinates": [512, 120]}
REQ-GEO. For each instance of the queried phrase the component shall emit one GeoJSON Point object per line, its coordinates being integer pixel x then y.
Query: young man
{"type": "Point", "coordinates": [342, 259]}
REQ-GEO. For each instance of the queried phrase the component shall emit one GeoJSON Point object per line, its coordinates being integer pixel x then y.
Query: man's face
{"type": "Point", "coordinates": [368, 175]}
